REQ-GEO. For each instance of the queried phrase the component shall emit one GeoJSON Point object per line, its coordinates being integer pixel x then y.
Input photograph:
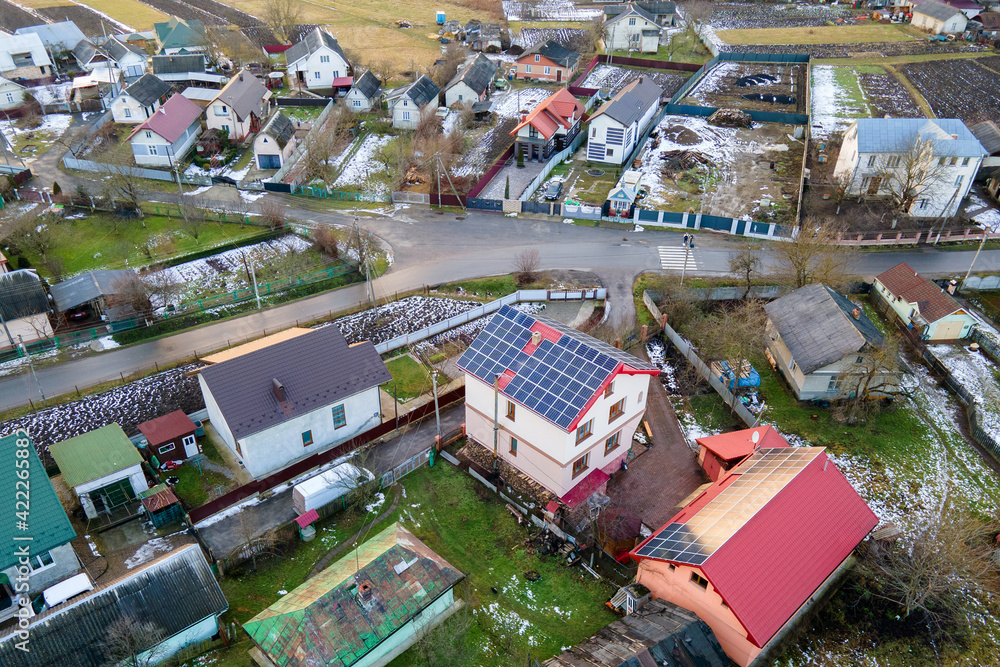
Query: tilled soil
{"type": "Point", "coordinates": [957, 88]}
{"type": "Point", "coordinates": [13, 17]}
{"type": "Point", "coordinates": [888, 96]}
{"type": "Point", "coordinates": [867, 50]}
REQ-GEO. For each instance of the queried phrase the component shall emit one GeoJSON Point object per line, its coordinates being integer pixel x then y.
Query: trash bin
{"type": "Point", "coordinates": [308, 533]}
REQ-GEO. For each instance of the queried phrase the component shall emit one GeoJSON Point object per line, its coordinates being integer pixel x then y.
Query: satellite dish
{"type": "Point", "coordinates": [755, 437]}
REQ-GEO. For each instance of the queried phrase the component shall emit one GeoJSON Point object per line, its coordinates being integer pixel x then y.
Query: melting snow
{"type": "Point", "coordinates": [148, 551]}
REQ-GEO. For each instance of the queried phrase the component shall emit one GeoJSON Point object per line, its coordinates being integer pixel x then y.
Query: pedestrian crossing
{"type": "Point", "coordinates": [672, 258]}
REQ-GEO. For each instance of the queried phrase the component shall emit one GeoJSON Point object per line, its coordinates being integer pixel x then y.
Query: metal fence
{"type": "Point", "coordinates": [406, 467]}
{"type": "Point", "coordinates": [982, 283]}
{"type": "Point", "coordinates": [141, 172]}
{"type": "Point", "coordinates": [323, 193]}
{"type": "Point", "coordinates": [486, 309]}
{"type": "Point", "coordinates": [410, 198]}
{"type": "Point", "coordinates": [551, 164]}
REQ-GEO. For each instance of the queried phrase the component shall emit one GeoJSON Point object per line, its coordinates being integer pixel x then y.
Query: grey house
{"type": "Point", "coordinates": [185, 68]}
{"type": "Point", "coordinates": [413, 102]}
{"type": "Point", "coordinates": [473, 82]}
{"type": "Point", "coordinates": [817, 337]}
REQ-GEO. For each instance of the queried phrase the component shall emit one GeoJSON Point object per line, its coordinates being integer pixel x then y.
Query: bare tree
{"type": "Point", "coordinates": [132, 290]}
{"type": "Point", "coordinates": [813, 256]}
{"type": "Point", "coordinates": [134, 643]}
{"type": "Point", "coordinates": [241, 208]}
{"type": "Point", "coordinates": [282, 16]}
{"type": "Point", "coordinates": [320, 147]}
{"type": "Point", "coordinates": [746, 264]}
{"type": "Point", "coordinates": [225, 43]}
{"type": "Point", "coordinates": [696, 12]}
{"type": "Point", "coordinates": [444, 72]}
{"type": "Point", "coordinates": [193, 220]}
{"type": "Point", "coordinates": [906, 176]}
{"type": "Point", "coordinates": [253, 546]}
{"type": "Point", "coordinates": [931, 572]}
{"type": "Point", "coordinates": [873, 375]}
{"type": "Point", "coordinates": [271, 212]}
{"type": "Point", "coordinates": [526, 266]}
{"type": "Point", "coordinates": [123, 183]}
{"type": "Point", "coordinates": [162, 290]}
{"type": "Point", "coordinates": [449, 643]}
{"type": "Point", "coordinates": [731, 333]}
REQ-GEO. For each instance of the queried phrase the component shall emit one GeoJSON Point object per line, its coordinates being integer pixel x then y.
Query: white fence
{"type": "Point", "coordinates": [487, 308]}
{"type": "Point", "coordinates": [984, 283]}
{"type": "Point", "coordinates": [406, 467]}
{"type": "Point", "coordinates": [154, 174]}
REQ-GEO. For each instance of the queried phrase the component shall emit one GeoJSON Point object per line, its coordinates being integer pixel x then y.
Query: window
{"type": "Point", "coordinates": [631, 21]}
{"type": "Point", "coordinates": [893, 161]}
{"type": "Point", "coordinates": [965, 161]}
{"type": "Point", "coordinates": [942, 161]}
{"type": "Point", "coordinates": [149, 135]}
{"type": "Point", "coordinates": [221, 110]}
{"type": "Point", "coordinates": [357, 103]}
{"type": "Point", "coordinates": [511, 410]}
{"type": "Point", "coordinates": [611, 444]}
{"type": "Point", "coordinates": [527, 69]}
{"type": "Point", "coordinates": [316, 75]}
{"type": "Point", "coordinates": [307, 438]}
{"type": "Point", "coordinates": [725, 605]}
{"type": "Point", "coordinates": [165, 448]}
{"type": "Point", "coordinates": [406, 115]}
{"type": "Point", "coordinates": [547, 70]}
{"type": "Point", "coordinates": [460, 97]}
{"type": "Point", "coordinates": [610, 152]}
{"type": "Point", "coordinates": [923, 203]}
{"type": "Point", "coordinates": [834, 385]}
{"type": "Point", "coordinates": [532, 132]}
{"type": "Point", "coordinates": [593, 131]}
{"type": "Point", "coordinates": [10, 97]}
{"type": "Point", "coordinates": [538, 58]}
{"type": "Point", "coordinates": [871, 160]}
{"type": "Point", "coordinates": [580, 464]}
{"type": "Point", "coordinates": [584, 431]}
{"type": "Point", "coordinates": [953, 162]}
{"type": "Point", "coordinates": [672, 567]}
{"type": "Point", "coordinates": [339, 416]}
{"type": "Point", "coordinates": [324, 59]}
{"type": "Point", "coordinates": [152, 150]}
{"type": "Point", "coordinates": [791, 366]}
{"type": "Point", "coordinates": [700, 580]}
{"type": "Point", "coordinates": [640, 398]}
{"type": "Point", "coordinates": [225, 127]}
{"type": "Point", "coordinates": [513, 446]}
{"type": "Point", "coordinates": [617, 410]}
{"type": "Point", "coordinates": [405, 103]}
{"type": "Point", "coordinates": [958, 181]}
{"type": "Point", "coordinates": [128, 112]}
{"type": "Point", "coordinates": [336, 74]}
{"type": "Point", "coordinates": [610, 389]}
{"type": "Point", "coordinates": [40, 562]}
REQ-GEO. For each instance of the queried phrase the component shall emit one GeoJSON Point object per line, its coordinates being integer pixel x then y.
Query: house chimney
{"type": "Point", "coordinates": [241, 75]}
{"type": "Point", "coordinates": [856, 313]}
{"type": "Point", "coordinates": [640, 80]}
{"type": "Point", "coordinates": [365, 591]}
{"type": "Point", "coordinates": [279, 390]}
{"type": "Point", "coordinates": [536, 338]}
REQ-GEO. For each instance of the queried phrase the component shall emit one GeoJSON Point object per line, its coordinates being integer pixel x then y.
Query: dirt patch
{"type": "Point", "coordinates": [956, 88]}
{"type": "Point", "coordinates": [888, 96]}
{"type": "Point", "coordinates": [681, 135]}
{"type": "Point", "coordinates": [752, 86]}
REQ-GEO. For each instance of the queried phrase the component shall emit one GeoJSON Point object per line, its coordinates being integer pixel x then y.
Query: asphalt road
{"type": "Point", "coordinates": [430, 249]}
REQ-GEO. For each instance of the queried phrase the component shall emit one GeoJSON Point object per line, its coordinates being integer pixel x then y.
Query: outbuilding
{"type": "Point", "coordinates": [275, 143]}
{"type": "Point", "coordinates": [170, 437]}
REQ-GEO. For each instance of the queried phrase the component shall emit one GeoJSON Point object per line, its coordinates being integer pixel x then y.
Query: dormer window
{"type": "Point", "coordinates": [149, 135]}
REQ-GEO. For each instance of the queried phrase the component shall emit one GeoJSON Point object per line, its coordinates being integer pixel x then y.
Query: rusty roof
{"type": "Point", "coordinates": [167, 428]}
{"type": "Point", "coordinates": [323, 621]}
{"type": "Point", "coordinates": [932, 302]}
{"type": "Point", "coordinates": [156, 498]}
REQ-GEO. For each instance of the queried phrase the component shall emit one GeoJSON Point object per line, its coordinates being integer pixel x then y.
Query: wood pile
{"type": "Point", "coordinates": [731, 118]}
{"type": "Point", "coordinates": [413, 177]}
{"type": "Point", "coordinates": [683, 160]}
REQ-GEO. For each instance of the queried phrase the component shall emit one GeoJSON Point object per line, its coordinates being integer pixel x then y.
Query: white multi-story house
{"type": "Point", "coordinates": [240, 107]}
{"type": "Point", "coordinates": [618, 125]}
{"type": "Point", "coordinates": [130, 59]}
{"type": "Point", "coordinates": [364, 94]}
{"type": "Point", "coordinates": [285, 401]}
{"type": "Point", "coordinates": [316, 61]}
{"type": "Point", "coordinates": [168, 134]}
{"type": "Point", "coordinates": [140, 100]}
{"type": "Point", "coordinates": [549, 128]}
{"type": "Point", "coordinates": [11, 94]}
{"type": "Point", "coordinates": [634, 29]}
{"type": "Point", "coordinates": [413, 102]}
{"type": "Point", "coordinates": [566, 405]}
{"type": "Point", "coordinates": [926, 166]}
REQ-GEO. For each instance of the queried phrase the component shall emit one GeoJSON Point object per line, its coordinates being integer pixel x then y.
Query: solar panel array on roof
{"type": "Point", "coordinates": [556, 380]}
{"type": "Point", "coordinates": [762, 476]}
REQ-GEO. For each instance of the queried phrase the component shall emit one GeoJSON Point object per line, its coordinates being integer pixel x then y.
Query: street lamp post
{"type": "Point", "coordinates": [688, 244]}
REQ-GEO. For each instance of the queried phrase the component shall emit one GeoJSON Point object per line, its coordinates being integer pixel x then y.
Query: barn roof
{"type": "Point", "coordinates": [63, 35]}
{"type": "Point", "coordinates": [987, 134]}
{"type": "Point", "coordinates": [179, 64]}
{"type": "Point", "coordinates": [86, 287]}
{"type": "Point", "coordinates": [94, 454]}
{"type": "Point", "coordinates": [737, 444]}
{"type": "Point", "coordinates": [178, 33]}
{"type": "Point", "coordinates": [817, 325]}
{"type": "Point", "coordinates": [477, 74]}
{"type": "Point", "coordinates": [166, 428]}
{"type": "Point", "coordinates": [22, 295]}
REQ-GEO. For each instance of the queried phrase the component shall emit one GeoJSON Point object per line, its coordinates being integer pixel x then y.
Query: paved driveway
{"type": "Point", "coordinates": [520, 178]}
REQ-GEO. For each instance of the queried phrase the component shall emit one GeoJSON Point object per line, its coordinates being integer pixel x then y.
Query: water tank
{"type": "Point", "coordinates": [440, 18]}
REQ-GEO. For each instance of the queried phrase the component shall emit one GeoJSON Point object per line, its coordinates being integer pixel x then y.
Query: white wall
{"type": "Point", "coordinates": [406, 115]}
{"type": "Point", "coordinates": [220, 116]}
{"type": "Point", "coordinates": [216, 418]}
{"type": "Point", "coordinates": [139, 113]}
{"type": "Point", "coordinates": [363, 103]}
{"type": "Point", "coordinates": [200, 631]}
{"type": "Point", "coordinates": [622, 36]}
{"type": "Point", "coordinates": [30, 329]}
{"type": "Point", "coordinates": [461, 93]}
{"type": "Point", "coordinates": [11, 95]}
{"type": "Point", "coordinates": [312, 64]}
{"type": "Point", "coordinates": [134, 474]}
{"type": "Point", "coordinates": [133, 65]}
{"type": "Point", "coordinates": [264, 144]}
{"type": "Point", "coordinates": [276, 447]}
{"type": "Point", "coordinates": [64, 563]}
{"type": "Point", "coordinates": [405, 637]}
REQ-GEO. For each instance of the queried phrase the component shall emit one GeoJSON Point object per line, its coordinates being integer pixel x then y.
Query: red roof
{"type": "Point", "coordinates": [555, 111]}
{"type": "Point", "coordinates": [738, 444]}
{"type": "Point", "coordinates": [343, 82]}
{"type": "Point", "coordinates": [158, 501]}
{"type": "Point", "coordinates": [771, 564]}
{"type": "Point", "coordinates": [167, 428]}
{"type": "Point", "coordinates": [307, 518]}
{"type": "Point", "coordinates": [172, 118]}
{"type": "Point", "coordinates": [547, 332]}
{"type": "Point", "coordinates": [932, 301]}
{"type": "Point", "coordinates": [277, 48]}
{"type": "Point", "coordinates": [585, 488]}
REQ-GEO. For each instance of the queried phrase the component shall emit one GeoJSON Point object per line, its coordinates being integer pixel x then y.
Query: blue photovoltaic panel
{"type": "Point", "coordinates": [557, 379]}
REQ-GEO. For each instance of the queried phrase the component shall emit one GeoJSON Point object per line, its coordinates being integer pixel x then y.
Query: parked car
{"type": "Point", "coordinates": [553, 190]}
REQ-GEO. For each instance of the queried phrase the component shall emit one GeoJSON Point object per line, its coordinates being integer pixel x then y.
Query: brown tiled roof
{"type": "Point", "coordinates": [932, 301]}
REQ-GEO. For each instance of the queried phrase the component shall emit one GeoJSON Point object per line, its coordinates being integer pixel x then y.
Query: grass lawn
{"type": "Point", "coordinates": [410, 378]}
{"type": "Point", "coordinates": [824, 34]}
{"type": "Point", "coordinates": [492, 287]}
{"type": "Point", "coordinates": [301, 114]}
{"type": "Point", "coordinates": [472, 530]}
{"type": "Point", "coordinates": [93, 242]}
{"type": "Point", "coordinates": [197, 488]}
{"type": "Point", "coordinates": [689, 49]}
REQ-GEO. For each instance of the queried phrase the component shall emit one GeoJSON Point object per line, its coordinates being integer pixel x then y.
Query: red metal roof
{"type": "Point", "coordinates": [547, 332]}
{"type": "Point", "coordinates": [585, 488]}
{"type": "Point", "coordinates": [277, 48]}
{"type": "Point", "coordinates": [172, 118]}
{"type": "Point", "coordinates": [737, 444]}
{"type": "Point", "coordinates": [552, 113]}
{"type": "Point", "coordinates": [932, 301]}
{"type": "Point", "coordinates": [167, 428]}
{"type": "Point", "coordinates": [159, 500]}
{"type": "Point", "coordinates": [343, 82]}
{"type": "Point", "coordinates": [778, 559]}
{"type": "Point", "coordinates": [307, 518]}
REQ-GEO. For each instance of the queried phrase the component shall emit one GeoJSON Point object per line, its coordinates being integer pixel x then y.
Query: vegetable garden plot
{"type": "Point", "coordinates": [183, 10]}
{"type": "Point", "coordinates": [888, 96]}
{"type": "Point", "coordinates": [615, 78]}
{"type": "Point", "coordinates": [549, 10]}
{"type": "Point", "coordinates": [13, 17]}
{"type": "Point", "coordinates": [86, 19]}
{"type": "Point", "coordinates": [529, 37]}
{"type": "Point", "coordinates": [956, 88]}
{"type": "Point", "coordinates": [746, 16]}
{"type": "Point", "coordinates": [756, 86]}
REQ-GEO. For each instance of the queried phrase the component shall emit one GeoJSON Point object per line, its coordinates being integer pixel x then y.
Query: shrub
{"type": "Point", "coordinates": [272, 212]}
{"type": "Point", "coordinates": [325, 239]}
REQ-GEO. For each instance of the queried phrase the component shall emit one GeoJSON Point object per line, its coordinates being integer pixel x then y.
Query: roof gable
{"type": "Point", "coordinates": [147, 90]}
{"type": "Point", "coordinates": [324, 622]}
{"type": "Point", "coordinates": [246, 95]}
{"type": "Point", "coordinates": [172, 119]}
{"type": "Point", "coordinates": [49, 526]}
{"type": "Point", "coordinates": [118, 49]}
{"type": "Point", "coordinates": [311, 42]}
{"type": "Point", "coordinates": [477, 74]}
{"type": "Point", "coordinates": [420, 92]}
{"type": "Point", "coordinates": [817, 325]}
{"type": "Point", "coordinates": [167, 427]}
{"type": "Point", "coordinates": [554, 112]}
{"type": "Point", "coordinates": [555, 52]}
{"type": "Point", "coordinates": [368, 85]}
{"type": "Point", "coordinates": [558, 377]}
{"type": "Point", "coordinates": [631, 102]}
{"type": "Point", "coordinates": [932, 302]}
{"type": "Point", "coordinates": [738, 444]}
{"type": "Point", "coordinates": [316, 370]}
{"type": "Point", "coordinates": [177, 33]}
{"type": "Point", "coordinates": [633, 9]}
{"type": "Point", "coordinates": [94, 454]}
{"type": "Point", "coordinates": [280, 128]}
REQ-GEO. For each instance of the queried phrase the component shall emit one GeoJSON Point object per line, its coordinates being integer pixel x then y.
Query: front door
{"type": "Point", "coordinates": [874, 184]}
{"type": "Point", "coordinates": [558, 75]}
{"type": "Point", "coordinates": [190, 446]}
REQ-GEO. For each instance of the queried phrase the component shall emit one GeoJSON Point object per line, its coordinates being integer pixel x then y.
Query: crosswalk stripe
{"type": "Point", "coordinates": [672, 258]}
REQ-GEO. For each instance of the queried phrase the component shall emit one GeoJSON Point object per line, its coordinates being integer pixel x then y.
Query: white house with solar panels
{"type": "Point", "coordinates": [567, 405]}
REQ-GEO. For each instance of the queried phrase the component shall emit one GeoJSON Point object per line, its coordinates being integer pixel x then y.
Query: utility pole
{"type": "Point", "coordinates": [363, 257]}
{"type": "Point", "coordinates": [974, 258]}
{"type": "Point", "coordinates": [496, 417]}
{"type": "Point", "coordinates": [688, 244]}
{"type": "Point", "coordinates": [437, 412]}
{"type": "Point", "coordinates": [31, 365]}
{"type": "Point", "coordinates": [6, 330]}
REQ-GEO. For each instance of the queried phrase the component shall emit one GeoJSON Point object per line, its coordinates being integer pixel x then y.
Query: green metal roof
{"type": "Point", "coordinates": [95, 454]}
{"type": "Point", "coordinates": [322, 621]}
{"type": "Point", "coordinates": [48, 525]}
{"type": "Point", "coordinates": [178, 32]}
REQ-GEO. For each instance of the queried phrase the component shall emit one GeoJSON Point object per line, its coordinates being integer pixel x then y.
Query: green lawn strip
{"type": "Point", "coordinates": [210, 448]}
{"type": "Point", "coordinates": [492, 287]}
{"type": "Point", "coordinates": [472, 530]}
{"type": "Point", "coordinates": [94, 242]}
{"type": "Point", "coordinates": [197, 488]}
{"type": "Point", "coordinates": [853, 104]}
{"type": "Point", "coordinates": [409, 378]}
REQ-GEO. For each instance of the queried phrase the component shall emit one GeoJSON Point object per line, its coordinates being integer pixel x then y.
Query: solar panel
{"type": "Point", "coordinates": [762, 476]}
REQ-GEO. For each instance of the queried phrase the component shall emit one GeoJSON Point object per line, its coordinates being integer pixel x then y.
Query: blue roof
{"type": "Point", "coordinates": [556, 379]}
{"type": "Point", "coordinates": [896, 135]}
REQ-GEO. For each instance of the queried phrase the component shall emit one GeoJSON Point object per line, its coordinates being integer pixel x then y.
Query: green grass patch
{"type": "Point", "coordinates": [492, 287]}
{"type": "Point", "coordinates": [687, 48]}
{"type": "Point", "coordinates": [302, 114]}
{"type": "Point", "coordinates": [410, 378]}
{"type": "Point", "coordinates": [197, 488]}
